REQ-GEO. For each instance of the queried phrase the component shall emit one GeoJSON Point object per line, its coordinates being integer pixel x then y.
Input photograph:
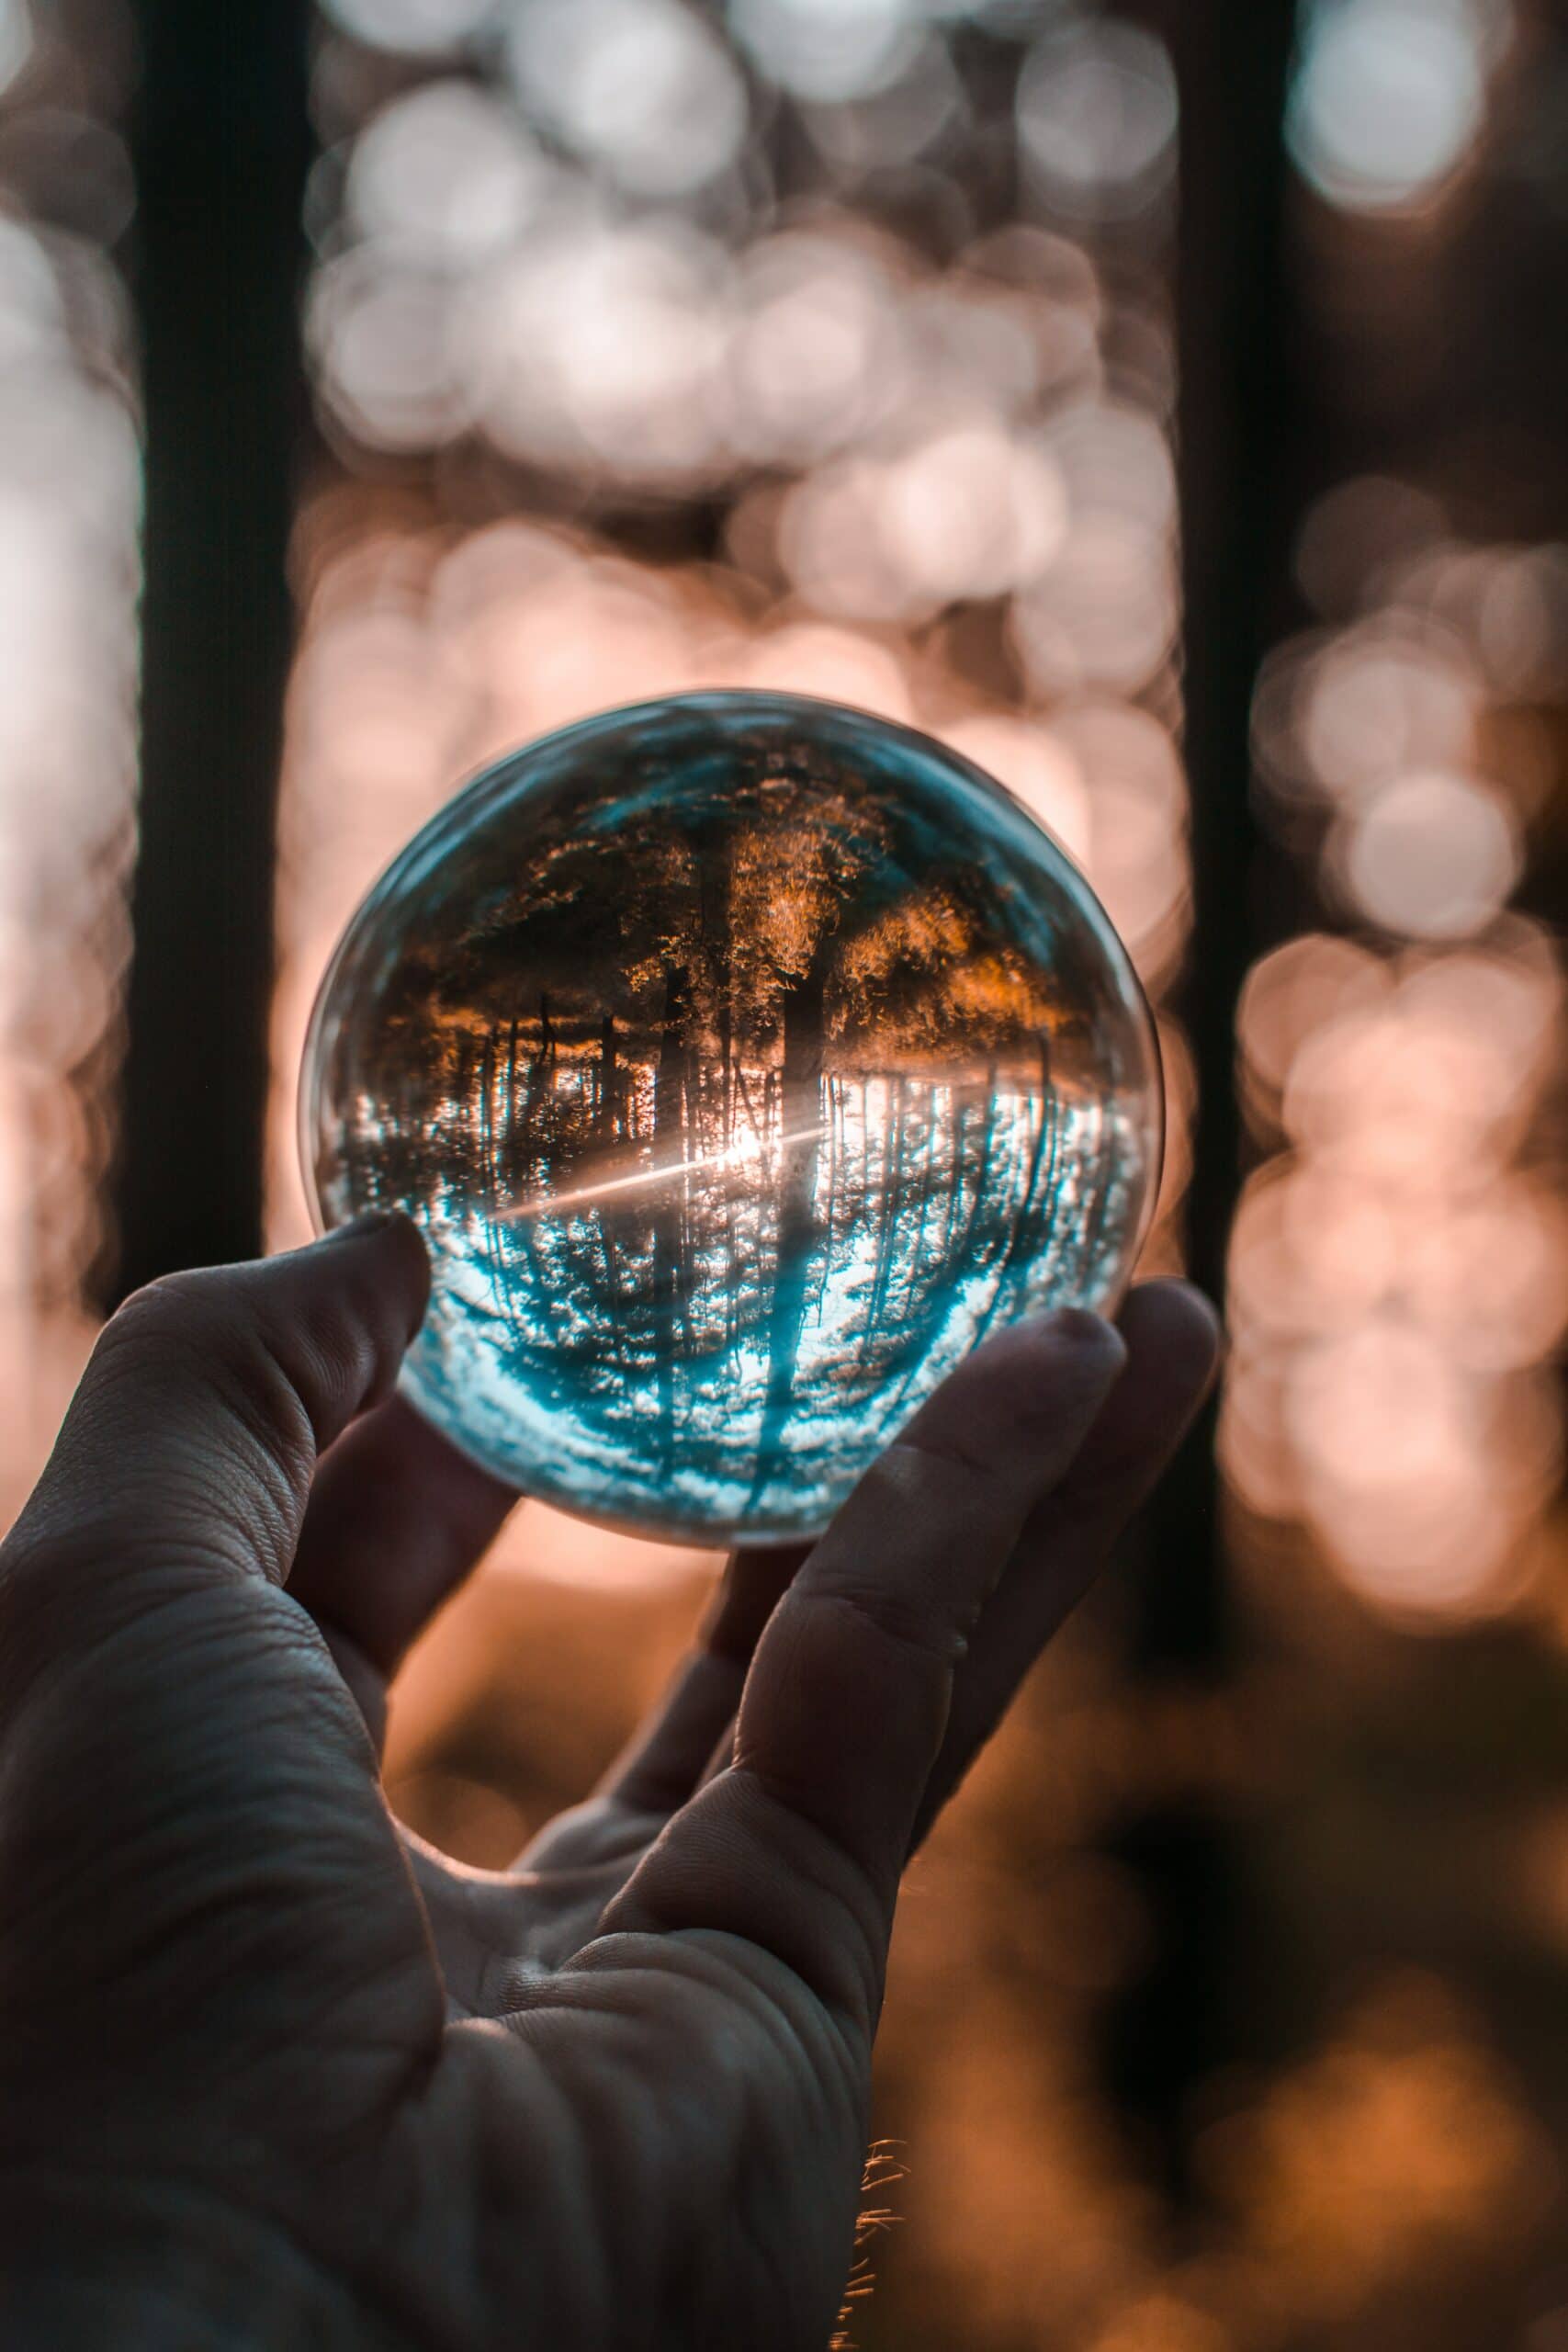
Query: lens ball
{"type": "Point", "coordinates": [745, 1060]}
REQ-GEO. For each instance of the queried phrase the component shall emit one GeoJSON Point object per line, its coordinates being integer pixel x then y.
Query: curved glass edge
{"type": "Point", "coordinates": [490, 783]}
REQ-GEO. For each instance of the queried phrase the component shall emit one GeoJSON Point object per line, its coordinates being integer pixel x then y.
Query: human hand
{"type": "Point", "coordinates": [276, 2073]}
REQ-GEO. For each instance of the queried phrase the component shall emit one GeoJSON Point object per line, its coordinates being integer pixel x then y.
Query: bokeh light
{"type": "Point", "coordinates": [1431, 857]}
{"type": "Point", "coordinates": [1096, 113]}
{"type": "Point", "coordinates": [640, 87]}
{"type": "Point", "coordinates": [1389, 98]}
{"type": "Point", "coordinates": [827, 50]}
{"type": "Point", "coordinates": [70, 492]}
{"type": "Point", "coordinates": [1408, 1071]}
{"type": "Point", "coordinates": [446, 175]}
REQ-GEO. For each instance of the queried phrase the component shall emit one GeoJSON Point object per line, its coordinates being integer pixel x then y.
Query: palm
{"type": "Point", "coordinates": [582, 2202]}
{"type": "Point", "coordinates": [494, 1929]}
{"type": "Point", "coordinates": [651, 2219]}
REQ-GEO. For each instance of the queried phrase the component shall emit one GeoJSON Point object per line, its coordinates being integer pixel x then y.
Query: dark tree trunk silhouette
{"type": "Point", "coordinates": [608, 1082]}
{"type": "Point", "coordinates": [670, 1266]}
{"type": "Point", "coordinates": [804, 1024]}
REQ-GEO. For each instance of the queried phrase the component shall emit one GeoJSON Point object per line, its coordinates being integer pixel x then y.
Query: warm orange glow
{"type": "Point", "coordinates": [1400, 2144]}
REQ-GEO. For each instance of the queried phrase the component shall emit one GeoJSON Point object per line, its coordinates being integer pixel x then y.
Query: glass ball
{"type": "Point", "coordinates": [745, 1060]}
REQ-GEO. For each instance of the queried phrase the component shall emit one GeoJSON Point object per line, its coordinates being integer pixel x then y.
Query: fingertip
{"type": "Point", "coordinates": [392, 1243]}
{"type": "Point", "coordinates": [1081, 1331]}
{"type": "Point", "coordinates": [1064, 1334]}
{"type": "Point", "coordinates": [396, 1518]}
{"type": "Point", "coordinates": [1177, 1318]}
{"type": "Point", "coordinates": [1069, 1345]}
{"type": "Point", "coordinates": [1037, 1384]}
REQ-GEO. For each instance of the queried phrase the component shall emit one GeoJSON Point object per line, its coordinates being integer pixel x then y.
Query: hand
{"type": "Point", "coordinates": [273, 2073]}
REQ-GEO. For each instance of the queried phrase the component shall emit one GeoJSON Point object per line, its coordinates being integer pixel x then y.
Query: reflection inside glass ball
{"type": "Point", "coordinates": [745, 1060]}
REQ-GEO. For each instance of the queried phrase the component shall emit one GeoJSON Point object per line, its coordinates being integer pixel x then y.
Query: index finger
{"type": "Point", "coordinates": [799, 1845]}
{"type": "Point", "coordinates": [397, 1519]}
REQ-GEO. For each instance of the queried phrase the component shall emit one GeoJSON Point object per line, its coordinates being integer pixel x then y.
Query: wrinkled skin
{"type": "Point", "coordinates": [273, 2072]}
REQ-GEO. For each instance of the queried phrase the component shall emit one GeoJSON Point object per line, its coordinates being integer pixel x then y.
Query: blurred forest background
{"type": "Point", "coordinates": [1165, 404]}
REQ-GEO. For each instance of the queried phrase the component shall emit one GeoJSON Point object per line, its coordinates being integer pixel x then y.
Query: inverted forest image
{"type": "Point", "coordinates": [744, 1066]}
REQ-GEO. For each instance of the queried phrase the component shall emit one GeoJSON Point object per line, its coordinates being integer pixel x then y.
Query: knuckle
{"type": "Point", "coordinates": [200, 1331]}
{"type": "Point", "coordinates": [949, 1455]}
{"type": "Point", "coordinates": [920, 1472]}
{"type": "Point", "coordinates": [161, 1309]}
{"type": "Point", "coordinates": [168, 1328]}
{"type": "Point", "coordinates": [896, 1617]}
{"type": "Point", "coordinates": [262, 1390]}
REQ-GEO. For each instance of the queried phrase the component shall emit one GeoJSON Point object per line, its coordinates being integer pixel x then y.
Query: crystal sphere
{"type": "Point", "coordinates": [745, 1060]}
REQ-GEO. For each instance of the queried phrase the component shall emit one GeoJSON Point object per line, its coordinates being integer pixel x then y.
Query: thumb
{"type": "Point", "coordinates": [195, 1863]}
{"type": "Point", "coordinates": [186, 1456]}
